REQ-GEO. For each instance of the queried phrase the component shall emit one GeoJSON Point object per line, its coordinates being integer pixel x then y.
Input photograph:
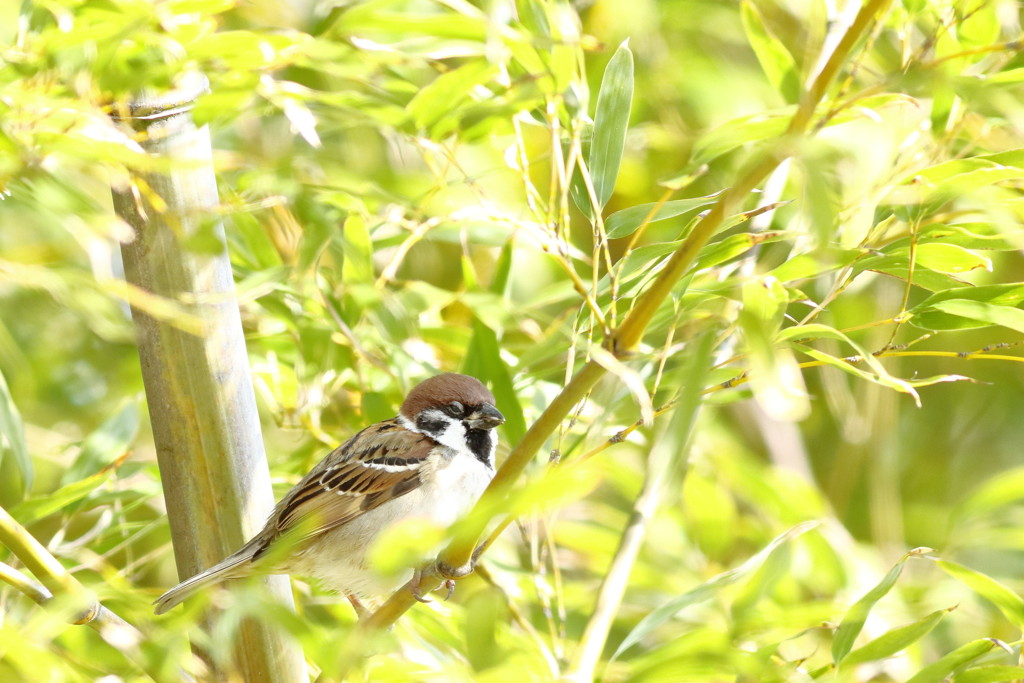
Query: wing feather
{"type": "Point", "coordinates": [378, 464]}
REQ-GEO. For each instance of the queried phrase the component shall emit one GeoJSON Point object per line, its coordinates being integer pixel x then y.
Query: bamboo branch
{"type": "Point", "coordinates": [56, 582]}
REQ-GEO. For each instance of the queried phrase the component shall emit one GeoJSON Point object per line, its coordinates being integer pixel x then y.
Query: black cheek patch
{"type": "Point", "coordinates": [479, 442]}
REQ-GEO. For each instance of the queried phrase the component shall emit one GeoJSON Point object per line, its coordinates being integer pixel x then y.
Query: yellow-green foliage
{"type": "Point", "coordinates": [415, 185]}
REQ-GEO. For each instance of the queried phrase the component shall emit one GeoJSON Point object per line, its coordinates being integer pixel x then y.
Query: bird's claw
{"type": "Point", "coordinates": [417, 586]}
{"type": "Point", "coordinates": [438, 569]}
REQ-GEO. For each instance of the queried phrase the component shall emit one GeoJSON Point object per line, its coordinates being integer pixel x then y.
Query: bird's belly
{"type": "Point", "coordinates": [340, 559]}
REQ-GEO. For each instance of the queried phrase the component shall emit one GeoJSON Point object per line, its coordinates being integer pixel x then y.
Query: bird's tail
{"type": "Point", "coordinates": [231, 568]}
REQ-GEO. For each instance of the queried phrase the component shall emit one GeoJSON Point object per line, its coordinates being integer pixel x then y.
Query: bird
{"type": "Point", "coordinates": [432, 461]}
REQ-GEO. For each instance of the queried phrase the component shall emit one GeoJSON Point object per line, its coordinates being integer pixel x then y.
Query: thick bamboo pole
{"type": "Point", "coordinates": [201, 399]}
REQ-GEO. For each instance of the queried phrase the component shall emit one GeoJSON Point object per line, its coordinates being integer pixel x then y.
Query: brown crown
{"type": "Point", "coordinates": [442, 389]}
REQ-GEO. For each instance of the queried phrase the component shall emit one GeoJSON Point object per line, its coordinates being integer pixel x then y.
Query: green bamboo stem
{"type": "Point", "coordinates": [201, 400]}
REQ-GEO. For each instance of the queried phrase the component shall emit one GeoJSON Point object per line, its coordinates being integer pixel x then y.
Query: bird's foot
{"type": "Point", "coordinates": [417, 584]}
{"type": "Point", "coordinates": [441, 570]}
{"type": "Point", "coordinates": [359, 607]}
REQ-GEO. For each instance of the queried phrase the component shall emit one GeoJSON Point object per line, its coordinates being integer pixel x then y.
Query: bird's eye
{"type": "Point", "coordinates": [455, 409]}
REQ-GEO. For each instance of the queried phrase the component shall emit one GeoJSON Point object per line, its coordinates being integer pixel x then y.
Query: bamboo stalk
{"type": "Point", "coordinates": [200, 394]}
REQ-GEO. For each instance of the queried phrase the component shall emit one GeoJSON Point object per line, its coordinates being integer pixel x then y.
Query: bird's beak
{"type": "Point", "coordinates": [485, 417]}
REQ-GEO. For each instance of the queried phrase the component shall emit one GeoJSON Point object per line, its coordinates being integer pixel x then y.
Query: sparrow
{"type": "Point", "coordinates": [432, 462]}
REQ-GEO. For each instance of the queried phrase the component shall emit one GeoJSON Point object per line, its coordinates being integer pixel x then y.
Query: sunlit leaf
{"type": "Point", "coordinates": [625, 222]}
{"type": "Point", "coordinates": [707, 589]}
{"type": "Point", "coordinates": [990, 674]}
{"type": "Point", "coordinates": [938, 671]}
{"type": "Point", "coordinates": [438, 100]}
{"type": "Point", "coordinates": [12, 436]}
{"type": "Point", "coordinates": [358, 250]}
{"type": "Point", "coordinates": [483, 361]}
{"type": "Point", "coordinates": [774, 374]}
{"type": "Point", "coordinates": [970, 314]}
{"type": "Point", "coordinates": [895, 640]}
{"type": "Point", "coordinates": [108, 443]}
{"type": "Point", "coordinates": [1007, 600]}
{"type": "Point", "coordinates": [614, 102]}
{"type": "Point", "coordinates": [35, 509]}
{"type": "Point", "coordinates": [851, 625]}
{"type": "Point", "coordinates": [775, 59]}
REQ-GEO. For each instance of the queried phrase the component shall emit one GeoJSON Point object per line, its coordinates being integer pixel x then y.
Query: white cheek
{"type": "Point", "coordinates": [453, 436]}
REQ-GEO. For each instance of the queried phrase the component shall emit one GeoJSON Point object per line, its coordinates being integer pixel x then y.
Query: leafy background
{"type": "Point", "coordinates": [397, 181]}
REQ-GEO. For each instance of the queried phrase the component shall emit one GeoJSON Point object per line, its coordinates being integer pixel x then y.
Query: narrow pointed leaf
{"type": "Point", "coordinates": [991, 674]}
{"type": "Point", "coordinates": [707, 589]}
{"type": "Point", "coordinates": [855, 617]}
{"type": "Point", "coordinates": [12, 436]}
{"type": "Point", "coordinates": [776, 61]}
{"type": "Point", "coordinates": [624, 223]}
{"type": "Point", "coordinates": [1007, 600]}
{"type": "Point", "coordinates": [611, 119]}
{"type": "Point", "coordinates": [896, 640]}
{"type": "Point", "coordinates": [939, 671]}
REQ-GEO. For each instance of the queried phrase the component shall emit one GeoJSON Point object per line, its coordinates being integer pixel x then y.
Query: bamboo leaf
{"type": "Point", "coordinates": [776, 61]}
{"type": "Point", "coordinates": [972, 312]}
{"type": "Point", "coordinates": [614, 102]}
{"type": "Point", "coordinates": [358, 265]}
{"type": "Point", "coordinates": [483, 361]}
{"type": "Point", "coordinates": [853, 622]}
{"type": "Point", "coordinates": [707, 589]}
{"type": "Point", "coordinates": [625, 222]}
{"type": "Point", "coordinates": [436, 102]}
{"type": "Point", "coordinates": [105, 445]}
{"type": "Point", "coordinates": [938, 672]}
{"type": "Point", "coordinates": [990, 674]}
{"type": "Point", "coordinates": [895, 640]}
{"type": "Point", "coordinates": [12, 436]}
{"type": "Point", "coordinates": [1006, 600]}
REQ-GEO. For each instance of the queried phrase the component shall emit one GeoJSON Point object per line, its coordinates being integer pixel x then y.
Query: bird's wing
{"type": "Point", "coordinates": [380, 463]}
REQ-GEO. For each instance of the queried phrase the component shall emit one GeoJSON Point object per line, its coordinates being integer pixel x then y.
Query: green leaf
{"type": "Point", "coordinates": [1007, 600]}
{"type": "Point", "coordinates": [614, 101]}
{"type": "Point", "coordinates": [35, 509]}
{"type": "Point", "coordinates": [938, 672]}
{"type": "Point", "coordinates": [503, 269]}
{"type": "Point", "coordinates": [946, 258]}
{"type": "Point", "coordinates": [12, 436]}
{"type": "Point", "coordinates": [483, 361]}
{"type": "Point", "coordinates": [978, 312]}
{"type": "Point", "coordinates": [775, 376]}
{"type": "Point", "coordinates": [738, 132]}
{"type": "Point", "coordinates": [358, 251]}
{"type": "Point", "coordinates": [990, 674]}
{"type": "Point", "coordinates": [899, 267]}
{"type": "Point", "coordinates": [625, 222]}
{"type": "Point", "coordinates": [776, 61]}
{"type": "Point", "coordinates": [732, 246]}
{"type": "Point", "coordinates": [105, 445]}
{"type": "Point", "coordinates": [707, 589]}
{"type": "Point", "coordinates": [437, 101]}
{"type": "Point", "coordinates": [1005, 488]}
{"type": "Point", "coordinates": [895, 640]}
{"type": "Point", "coordinates": [925, 314]}
{"type": "Point", "coordinates": [853, 622]}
